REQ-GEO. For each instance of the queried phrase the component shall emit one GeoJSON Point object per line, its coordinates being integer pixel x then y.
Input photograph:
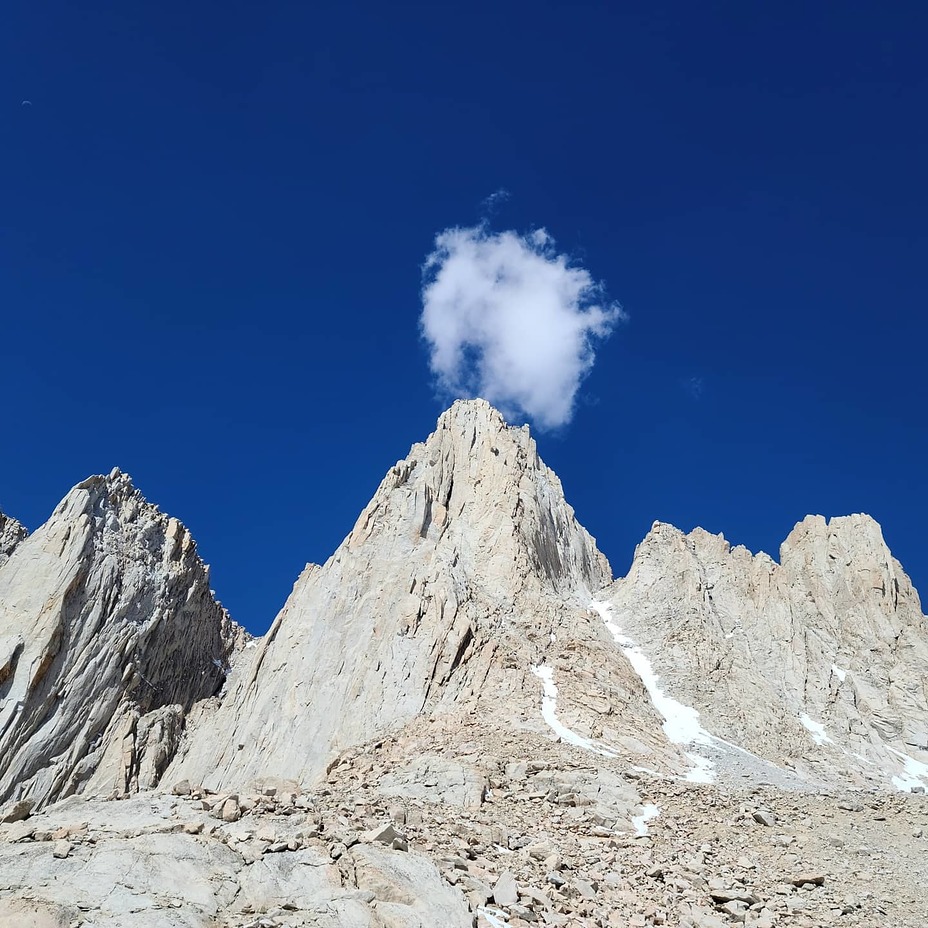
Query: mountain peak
{"type": "Point", "coordinates": [820, 658]}
{"type": "Point", "coordinates": [478, 485]}
{"type": "Point", "coordinates": [106, 617]}
{"type": "Point", "coordinates": [115, 478]}
{"type": "Point", "coordinates": [457, 659]}
{"type": "Point", "coordinates": [466, 552]}
{"type": "Point", "coordinates": [467, 410]}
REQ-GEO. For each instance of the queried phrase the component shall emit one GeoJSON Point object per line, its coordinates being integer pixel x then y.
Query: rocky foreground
{"type": "Point", "coordinates": [461, 719]}
{"type": "Point", "coordinates": [545, 841]}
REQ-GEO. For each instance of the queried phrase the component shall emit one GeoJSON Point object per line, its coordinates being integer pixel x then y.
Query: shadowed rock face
{"type": "Point", "coordinates": [11, 534]}
{"type": "Point", "coordinates": [108, 634]}
{"type": "Point", "coordinates": [820, 660]}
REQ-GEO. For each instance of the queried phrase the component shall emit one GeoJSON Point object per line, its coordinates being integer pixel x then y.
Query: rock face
{"type": "Point", "coordinates": [820, 661]}
{"type": "Point", "coordinates": [11, 534]}
{"type": "Point", "coordinates": [467, 570]}
{"type": "Point", "coordinates": [108, 634]}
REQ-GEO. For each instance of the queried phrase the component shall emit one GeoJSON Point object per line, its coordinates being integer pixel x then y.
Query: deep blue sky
{"type": "Point", "coordinates": [213, 217]}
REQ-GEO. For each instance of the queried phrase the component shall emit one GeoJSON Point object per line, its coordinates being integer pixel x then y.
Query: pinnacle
{"type": "Point", "coordinates": [473, 430]}
{"type": "Point", "coordinates": [463, 414]}
{"type": "Point", "coordinates": [115, 478]}
{"type": "Point", "coordinates": [12, 533]}
{"type": "Point", "coordinates": [854, 520]}
{"type": "Point", "coordinates": [858, 532]}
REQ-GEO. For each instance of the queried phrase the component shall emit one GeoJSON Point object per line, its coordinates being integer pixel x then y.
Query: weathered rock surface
{"type": "Point", "coordinates": [108, 634]}
{"type": "Point", "coordinates": [11, 534]}
{"type": "Point", "coordinates": [158, 862]}
{"type": "Point", "coordinates": [819, 662]}
{"type": "Point", "coordinates": [438, 779]}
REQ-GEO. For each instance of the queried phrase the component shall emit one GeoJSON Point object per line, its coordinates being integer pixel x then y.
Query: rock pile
{"type": "Point", "coordinates": [543, 847]}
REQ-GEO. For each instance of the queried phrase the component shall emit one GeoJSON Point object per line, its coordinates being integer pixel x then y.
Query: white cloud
{"type": "Point", "coordinates": [508, 319]}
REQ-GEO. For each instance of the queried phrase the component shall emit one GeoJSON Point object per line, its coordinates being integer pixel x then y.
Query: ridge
{"type": "Point", "coordinates": [817, 662]}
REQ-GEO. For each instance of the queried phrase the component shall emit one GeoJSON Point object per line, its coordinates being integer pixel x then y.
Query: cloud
{"type": "Point", "coordinates": [509, 319]}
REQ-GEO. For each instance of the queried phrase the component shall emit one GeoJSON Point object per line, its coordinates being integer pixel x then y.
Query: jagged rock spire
{"type": "Point", "coordinates": [11, 534]}
{"type": "Point", "coordinates": [108, 634]}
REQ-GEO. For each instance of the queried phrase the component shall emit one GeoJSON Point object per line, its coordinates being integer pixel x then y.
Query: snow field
{"type": "Point", "coordinates": [549, 714]}
{"type": "Point", "coordinates": [681, 722]}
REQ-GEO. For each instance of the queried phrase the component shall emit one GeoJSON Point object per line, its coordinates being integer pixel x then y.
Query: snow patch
{"type": "Point", "coordinates": [648, 811]}
{"type": "Point", "coordinates": [549, 713]}
{"type": "Point", "coordinates": [703, 770]}
{"type": "Point", "coordinates": [816, 729]}
{"type": "Point", "coordinates": [838, 672]}
{"type": "Point", "coordinates": [681, 722]}
{"type": "Point", "coordinates": [915, 775]}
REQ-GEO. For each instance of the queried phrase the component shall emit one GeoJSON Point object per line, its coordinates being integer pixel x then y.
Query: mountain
{"type": "Point", "coordinates": [465, 580]}
{"type": "Point", "coordinates": [109, 633]}
{"type": "Point", "coordinates": [462, 719]}
{"type": "Point", "coordinates": [818, 663]}
{"type": "Point", "coordinates": [467, 587]}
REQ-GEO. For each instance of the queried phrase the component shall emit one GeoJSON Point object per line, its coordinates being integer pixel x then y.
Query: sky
{"type": "Point", "coordinates": [248, 252]}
